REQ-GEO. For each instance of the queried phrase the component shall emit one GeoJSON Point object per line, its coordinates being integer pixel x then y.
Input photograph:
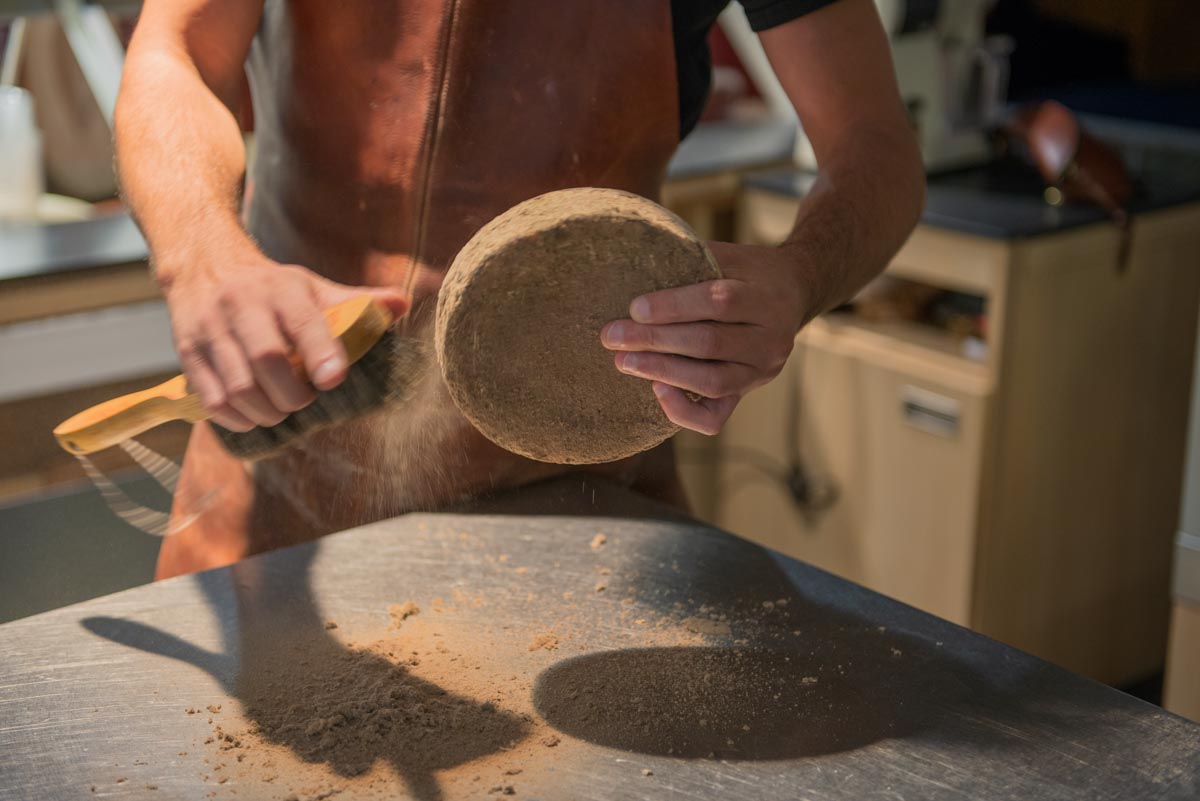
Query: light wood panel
{"type": "Point", "coordinates": [82, 290]}
{"type": "Point", "coordinates": [1181, 694]}
{"type": "Point", "coordinates": [1082, 497]}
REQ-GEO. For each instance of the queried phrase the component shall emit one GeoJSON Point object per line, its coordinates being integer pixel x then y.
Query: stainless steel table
{"type": "Point", "coordinates": [875, 699]}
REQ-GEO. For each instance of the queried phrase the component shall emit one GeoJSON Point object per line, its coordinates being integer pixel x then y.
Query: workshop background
{"type": "Point", "coordinates": [996, 431]}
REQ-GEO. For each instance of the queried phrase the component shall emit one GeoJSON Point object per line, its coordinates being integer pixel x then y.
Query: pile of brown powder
{"type": "Point", "coordinates": [401, 612]}
{"type": "Point", "coordinates": [416, 714]}
{"type": "Point", "coordinates": [546, 642]}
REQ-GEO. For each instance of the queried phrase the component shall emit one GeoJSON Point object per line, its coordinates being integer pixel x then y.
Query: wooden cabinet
{"type": "Point", "coordinates": [1028, 489]}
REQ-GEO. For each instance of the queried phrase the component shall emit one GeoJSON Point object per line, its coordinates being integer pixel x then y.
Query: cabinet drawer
{"type": "Point", "coordinates": [900, 453]}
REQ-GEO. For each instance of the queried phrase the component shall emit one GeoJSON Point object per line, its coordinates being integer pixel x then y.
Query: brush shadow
{"type": "Point", "coordinates": [302, 689]}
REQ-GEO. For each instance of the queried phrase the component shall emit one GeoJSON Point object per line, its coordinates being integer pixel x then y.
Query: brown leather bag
{"type": "Point", "coordinates": [1080, 166]}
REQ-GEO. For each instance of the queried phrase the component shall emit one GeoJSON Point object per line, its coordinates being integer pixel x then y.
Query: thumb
{"type": "Point", "coordinates": [394, 300]}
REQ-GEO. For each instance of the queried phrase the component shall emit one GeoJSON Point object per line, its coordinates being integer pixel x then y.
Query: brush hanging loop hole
{"type": "Point", "coordinates": [144, 518]}
{"type": "Point", "coordinates": [159, 467]}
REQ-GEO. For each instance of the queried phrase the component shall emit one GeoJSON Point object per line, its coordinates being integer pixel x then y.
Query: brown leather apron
{"type": "Point", "coordinates": [388, 133]}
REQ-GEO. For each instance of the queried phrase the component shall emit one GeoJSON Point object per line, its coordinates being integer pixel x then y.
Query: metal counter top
{"type": "Point", "coordinates": [907, 706]}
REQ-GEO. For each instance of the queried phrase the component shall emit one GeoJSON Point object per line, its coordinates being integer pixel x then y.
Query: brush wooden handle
{"type": "Point", "coordinates": [358, 323]}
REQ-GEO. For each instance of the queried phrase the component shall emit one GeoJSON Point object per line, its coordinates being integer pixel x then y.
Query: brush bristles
{"type": "Point", "coordinates": [383, 376]}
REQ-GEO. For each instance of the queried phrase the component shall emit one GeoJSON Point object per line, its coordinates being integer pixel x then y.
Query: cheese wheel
{"type": "Point", "coordinates": [519, 318]}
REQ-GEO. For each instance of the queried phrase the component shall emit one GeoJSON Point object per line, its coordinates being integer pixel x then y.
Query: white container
{"type": "Point", "coordinates": [22, 179]}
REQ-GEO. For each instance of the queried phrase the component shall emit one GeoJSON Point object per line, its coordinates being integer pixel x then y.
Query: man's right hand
{"type": "Point", "coordinates": [235, 324]}
{"type": "Point", "coordinates": [235, 331]}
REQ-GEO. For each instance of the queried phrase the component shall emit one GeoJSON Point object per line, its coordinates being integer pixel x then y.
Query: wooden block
{"type": "Point", "coordinates": [1181, 694]}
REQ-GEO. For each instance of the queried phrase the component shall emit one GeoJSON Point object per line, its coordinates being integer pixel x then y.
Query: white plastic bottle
{"type": "Point", "coordinates": [22, 179]}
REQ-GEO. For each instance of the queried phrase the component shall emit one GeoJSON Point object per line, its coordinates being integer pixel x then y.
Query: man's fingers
{"type": "Point", "coordinates": [323, 355]}
{"type": "Point", "coordinates": [724, 300]}
{"type": "Point", "coordinates": [266, 350]}
{"type": "Point", "coordinates": [243, 393]}
{"type": "Point", "coordinates": [230, 418]}
{"type": "Point", "coordinates": [396, 301]}
{"type": "Point", "coordinates": [705, 416]}
{"type": "Point", "coordinates": [710, 379]}
{"type": "Point", "coordinates": [730, 342]}
{"type": "Point", "coordinates": [205, 383]}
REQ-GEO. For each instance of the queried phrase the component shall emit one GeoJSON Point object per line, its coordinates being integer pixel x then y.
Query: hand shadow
{"type": "Point", "coordinates": [299, 687]}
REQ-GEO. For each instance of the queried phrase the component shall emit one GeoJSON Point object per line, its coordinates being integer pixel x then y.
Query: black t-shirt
{"type": "Point", "coordinates": [692, 20]}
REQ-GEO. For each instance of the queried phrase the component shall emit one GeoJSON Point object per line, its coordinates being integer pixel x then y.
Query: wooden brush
{"type": "Point", "coordinates": [381, 367]}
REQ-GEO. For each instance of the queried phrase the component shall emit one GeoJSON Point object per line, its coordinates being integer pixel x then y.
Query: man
{"type": "Point", "coordinates": [387, 134]}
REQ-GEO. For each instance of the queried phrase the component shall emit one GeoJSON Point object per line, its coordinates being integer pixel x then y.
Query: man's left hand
{"type": "Point", "coordinates": [705, 346]}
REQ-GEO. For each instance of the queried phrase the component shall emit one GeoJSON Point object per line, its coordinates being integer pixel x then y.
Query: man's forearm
{"type": "Point", "coordinates": [182, 164]}
{"type": "Point", "coordinates": [858, 213]}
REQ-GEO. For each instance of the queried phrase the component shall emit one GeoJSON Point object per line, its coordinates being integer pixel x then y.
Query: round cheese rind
{"type": "Point", "coordinates": [519, 318]}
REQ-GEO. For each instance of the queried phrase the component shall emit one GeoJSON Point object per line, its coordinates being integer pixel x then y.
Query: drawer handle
{"type": "Point", "coordinates": [930, 412]}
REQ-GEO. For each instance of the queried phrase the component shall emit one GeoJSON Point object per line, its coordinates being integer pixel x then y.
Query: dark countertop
{"type": "Point", "coordinates": [846, 694]}
{"type": "Point", "coordinates": [1004, 200]}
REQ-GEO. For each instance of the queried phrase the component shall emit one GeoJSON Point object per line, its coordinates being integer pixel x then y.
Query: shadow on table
{"type": "Point", "coordinates": [299, 687]}
{"type": "Point", "coordinates": [733, 703]}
